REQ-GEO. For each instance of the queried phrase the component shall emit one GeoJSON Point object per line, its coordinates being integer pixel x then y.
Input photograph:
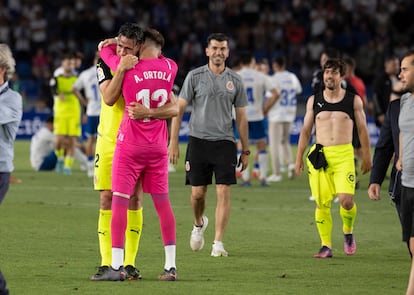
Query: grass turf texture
{"type": "Point", "coordinates": [49, 244]}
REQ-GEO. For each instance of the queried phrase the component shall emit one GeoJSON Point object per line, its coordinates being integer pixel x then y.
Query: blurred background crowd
{"type": "Point", "coordinates": [38, 31]}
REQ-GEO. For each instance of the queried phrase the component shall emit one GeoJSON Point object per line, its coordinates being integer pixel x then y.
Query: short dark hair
{"type": "Point", "coordinates": [155, 36]}
{"type": "Point", "coordinates": [246, 57]}
{"type": "Point", "coordinates": [234, 61]}
{"type": "Point", "coordinates": [280, 61]}
{"type": "Point", "coordinates": [350, 61]}
{"type": "Point", "coordinates": [49, 119]}
{"type": "Point", "coordinates": [67, 54]}
{"type": "Point", "coordinates": [132, 31]}
{"type": "Point", "coordinates": [217, 36]}
{"type": "Point", "coordinates": [336, 64]}
{"type": "Point", "coordinates": [409, 53]}
{"type": "Point", "coordinates": [389, 57]}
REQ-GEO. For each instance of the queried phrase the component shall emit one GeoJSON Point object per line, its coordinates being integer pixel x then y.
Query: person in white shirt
{"type": "Point", "coordinates": [42, 145]}
{"type": "Point", "coordinates": [42, 149]}
{"type": "Point", "coordinates": [88, 82]}
{"type": "Point", "coordinates": [256, 84]}
{"type": "Point", "coordinates": [280, 118]}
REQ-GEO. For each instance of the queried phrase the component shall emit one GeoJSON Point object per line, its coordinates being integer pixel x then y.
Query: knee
{"type": "Point", "coordinates": [197, 197]}
{"type": "Point", "coordinates": [106, 200]}
{"type": "Point", "coordinates": [198, 193]}
{"type": "Point", "coordinates": [135, 201]}
{"type": "Point", "coordinates": [347, 203]}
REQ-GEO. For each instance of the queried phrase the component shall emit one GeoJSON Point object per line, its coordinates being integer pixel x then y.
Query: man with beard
{"type": "Point", "coordinates": [330, 161]}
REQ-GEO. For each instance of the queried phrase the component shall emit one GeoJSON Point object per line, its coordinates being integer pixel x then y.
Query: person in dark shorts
{"type": "Point", "coordinates": [213, 90]}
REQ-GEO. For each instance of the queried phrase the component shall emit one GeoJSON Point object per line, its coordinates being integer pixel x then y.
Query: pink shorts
{"type": "Point", "coordinates": [133, 162]}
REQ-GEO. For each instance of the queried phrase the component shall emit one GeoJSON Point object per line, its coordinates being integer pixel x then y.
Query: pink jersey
{"type": "Point", "coordinates": [149, 83]}
{"type": "Point", "coordinates": [141, 150]}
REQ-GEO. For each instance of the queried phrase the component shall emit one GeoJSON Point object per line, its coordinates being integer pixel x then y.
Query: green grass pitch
{"type": "Point", "coordinates": [49, 244]}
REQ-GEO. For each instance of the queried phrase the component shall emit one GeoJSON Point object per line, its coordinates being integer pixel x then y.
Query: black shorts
{"type": "Point", "coordinates": [407, 212]}
{"type": "Point", "coordinates": [204, 157]}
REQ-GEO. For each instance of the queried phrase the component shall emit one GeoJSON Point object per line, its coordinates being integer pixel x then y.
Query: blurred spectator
{"type": "Point", "coordinates": [295, 32]}
{"type": "Point", "coordinates": [22, 37]}
{"type": "Point", "coordinates": [367, 57]}
{"type": "Point", "coordinates": [318, 17]}
{"type": "Point", "coordinates": [40, 63]}
{"type": "Point", "coordinates": [383, 87]}
{"type": "Point", "coordinates": [315, 47]}
{"type": "Point", "coordinates": [192, 50]}
{"type": "Point", "coordinates": [67, 17]}
{"type": "Point", "coordinates": [352, 79]}
{"type": "Point", "coordinates": [401, 21]}
{"type": "Point", "coordinates": [107, 14]}
{"type": "Point", "coordinates": [38, 30]}
{"type": "Point", "coordinates": [160, 15]}
{"type": "Point", "coordinates": [365, 30]}
{"type": "Point", "coordinates": [4, 29]}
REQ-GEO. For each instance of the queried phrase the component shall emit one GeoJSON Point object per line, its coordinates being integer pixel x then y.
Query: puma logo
{"type": "Point", "coordinates": [320, 104]}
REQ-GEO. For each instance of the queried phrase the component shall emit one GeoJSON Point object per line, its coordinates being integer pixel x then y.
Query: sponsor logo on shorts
{"type": "Point", "coordinates": [187, 166]}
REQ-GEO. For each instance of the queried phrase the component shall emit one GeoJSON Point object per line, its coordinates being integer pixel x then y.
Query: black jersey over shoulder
{"type": "Point", "coordinates": [346, 105]}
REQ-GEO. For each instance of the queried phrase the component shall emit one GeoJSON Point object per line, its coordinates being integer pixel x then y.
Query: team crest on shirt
{"type": "Point", "coordinates": [230, 85]}
{"type": "Point", "coordinates": [100, 74]}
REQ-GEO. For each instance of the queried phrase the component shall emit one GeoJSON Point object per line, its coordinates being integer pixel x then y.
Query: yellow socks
{"type": "Point", "coordinates": [132, 236]}
{"type": "Point", "coordinates": [68, 162]}
{"type": "Point", "coordinates": [348, 218]}
{"type": "Point", "coordinates": [323, 219]}
{"type": "Point", "coordinates": [104, 235]}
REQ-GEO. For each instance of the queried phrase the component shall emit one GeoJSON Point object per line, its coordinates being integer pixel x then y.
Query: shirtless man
{"type": "Point", "coordinates": [330, 161]}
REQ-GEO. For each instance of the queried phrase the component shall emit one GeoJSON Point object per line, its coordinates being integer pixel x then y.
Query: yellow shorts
{"type": "Point", "coordinates": [104, 153]}
{"type": "Point", "coordinates": [338, 177]}
{"type": "Point", "coordinates": [70, 126]}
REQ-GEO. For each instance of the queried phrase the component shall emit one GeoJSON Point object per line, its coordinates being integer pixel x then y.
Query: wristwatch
{"type": "Point", "coordinates": [247, 152]}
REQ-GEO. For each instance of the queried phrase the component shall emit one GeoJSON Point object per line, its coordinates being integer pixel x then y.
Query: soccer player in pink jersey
{"type": "Point", "coordinates": [141, 148]}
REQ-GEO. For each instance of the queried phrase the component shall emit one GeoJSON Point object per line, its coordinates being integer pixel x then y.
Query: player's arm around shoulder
{"type": "Point", "coordinates": [361, 124]}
